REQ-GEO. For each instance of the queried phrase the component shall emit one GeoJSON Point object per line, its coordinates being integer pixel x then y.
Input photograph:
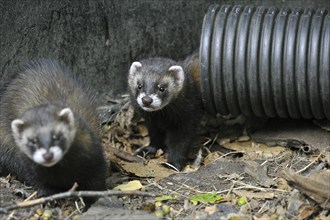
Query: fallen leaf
{"type": "Point", "coordinates": [205, 198]}
{"type": "Point", "coordinates": [243, 138]}
{"type": "Point", "coordinates": [132, 185]}
{"type": "Point", "coordinates": [306, 211]}
{"type": "Point", "coordinates": [212, 157]}
{"type": "Point", "coordinates": [222, 141]}
{"type": "Point", "coordinates": [254, 150]}
{"type": "Point", "coordinates": [259, 173]}
{"type": "Point", "coordinates": [283, 184]}
{"type": "Point", "coordinates": [316, 186]}
{"type": "Point", "coordinates": [142, 130]}
{"type": "Point", "coordinates": [152, 169]}
{"type": "Point", "coordinates": [165, 198]}
{"type": "Point", "coordinates": [242, 201]}
{"type": "Point", "coordinates": [141, 141]}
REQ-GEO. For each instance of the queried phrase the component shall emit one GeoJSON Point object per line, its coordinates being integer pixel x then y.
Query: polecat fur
{"type": "Point", "coordinates": [49, 135]}
{"type": "Point", "coordinates": [165, 93]}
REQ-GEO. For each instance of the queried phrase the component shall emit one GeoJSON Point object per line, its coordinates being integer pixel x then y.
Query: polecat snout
{"type": "Point", "coordinates": [49, 135]}
{"type": "Point", "coordinates": [166, 96]}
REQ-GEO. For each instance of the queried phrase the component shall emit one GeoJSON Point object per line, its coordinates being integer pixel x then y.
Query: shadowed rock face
{"type": "Point", "coordinates": [100, 39]}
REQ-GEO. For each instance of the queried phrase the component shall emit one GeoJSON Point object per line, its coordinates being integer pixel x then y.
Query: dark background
{"type": "Point", "coordinates": [100, 38]}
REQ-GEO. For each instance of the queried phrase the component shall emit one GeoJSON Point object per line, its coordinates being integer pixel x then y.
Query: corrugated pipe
{"type": "Point", "coordinates": [266, 62]}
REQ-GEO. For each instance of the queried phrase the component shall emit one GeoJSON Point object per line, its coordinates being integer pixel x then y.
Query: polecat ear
{"type": "Point", "coordinates": [134, 67]}
{"type": "Point", "coordinates": [178, 74]}
{"type": "Point", "coordinates": [17, 126]}
{"type": "Point", "coordinates": [66, 115]}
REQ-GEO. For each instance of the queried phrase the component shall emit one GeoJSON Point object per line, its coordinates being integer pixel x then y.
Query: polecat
{"type": "Point", "coordinates": [49, 130]}
{"type": "Point", "coordinates": [165, 94]}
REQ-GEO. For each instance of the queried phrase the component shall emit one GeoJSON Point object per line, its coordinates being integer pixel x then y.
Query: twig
{"type": "Point", "coordinates": [72, 194]}
{"type": "Point", "coordinates": [310, 164]}
{"type": "Point", "coordinates": [74, 187]}
{"type": "Point", "coordinates": [263, 163]}
{"type": "Point", "coordinates": [213, 141]}
{"type": "Point", "coordinates": [262, 207]}
{"type": "Point", "coordinates": [257, 188]}
{"type": "Point", "coordinates": [231, 189]}
{"type": "Point", "coordinates": [207, 141]}
{"type": "Point", "coordinates": [78, 208]}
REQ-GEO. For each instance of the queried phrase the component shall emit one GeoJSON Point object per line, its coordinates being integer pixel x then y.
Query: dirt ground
{"type": "Point", "coordinates": [246, 169]}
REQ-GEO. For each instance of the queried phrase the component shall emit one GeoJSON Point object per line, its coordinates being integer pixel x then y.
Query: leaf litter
{"type": "Point", "coordinates": [239, 176]}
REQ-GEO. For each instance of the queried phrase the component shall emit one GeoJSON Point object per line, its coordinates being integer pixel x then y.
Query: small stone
{"type": "Point", "coordinates": [46, 215]}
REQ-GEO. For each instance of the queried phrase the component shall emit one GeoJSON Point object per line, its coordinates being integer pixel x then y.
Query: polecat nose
{"type": "Point", "coordinates": [48, 156]}
{"type": "Point", "coordinates": [146, 100]}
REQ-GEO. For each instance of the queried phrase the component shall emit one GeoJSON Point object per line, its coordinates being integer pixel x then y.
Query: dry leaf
{"type": "Point", "coordinates": [283, 184]}
{"type": "Point", "coordinates": [254, 150]}
{"type": "Point", "coordinates": [152, 169]}
{"type": "Point", "coordinates": [132, 185]}
{"type": "Point", "coordinates": [212, 157]}
{"type": "Point", "coordinates": [259, 173]}
{"type": "Point", "coordinates": [316, 186]}
{"type": "Point", "coordinates": [243, 138]}
{"type": "Point", "coordinates": [142, 130]}
{"type": "Point", "coordinates": [306, 211]}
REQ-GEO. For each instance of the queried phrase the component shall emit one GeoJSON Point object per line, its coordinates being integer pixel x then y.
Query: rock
{"type": "Point", "coordinates": [111, 208]}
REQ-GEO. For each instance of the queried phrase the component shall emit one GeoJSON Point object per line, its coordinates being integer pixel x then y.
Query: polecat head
{"type": "Point", "coordinates": [155, 82]}
{"type": "Point", "coordinates": [45, 133]}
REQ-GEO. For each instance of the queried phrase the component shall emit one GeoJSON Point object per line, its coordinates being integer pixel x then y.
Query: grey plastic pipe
{"type": "Point", "coordinates": [266, 62]}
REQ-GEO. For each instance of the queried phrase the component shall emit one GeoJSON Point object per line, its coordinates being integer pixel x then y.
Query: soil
{"type": "Point", "coordinates": [236, 177]}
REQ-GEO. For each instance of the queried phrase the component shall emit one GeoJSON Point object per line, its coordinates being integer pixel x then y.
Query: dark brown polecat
{"type": "Point", "coordinates": [49, 135]}
{"type": "Point", "coordinates": [164, 92]}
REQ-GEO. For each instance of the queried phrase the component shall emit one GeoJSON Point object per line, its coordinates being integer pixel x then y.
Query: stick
{"type": "Point", "coordinates": [310, 164]}
{"type": "Point", "coordinates": [73, 194]}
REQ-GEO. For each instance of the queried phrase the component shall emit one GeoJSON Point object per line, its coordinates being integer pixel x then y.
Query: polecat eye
{"type": "Point", "coordinates": [56, 137]}
{"type": "Point", "coordinates": [161, 89]}
{"type": "Point", "coordinates": [140, 86]}
{"type": "Point", "coordinates": [32, 141]}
